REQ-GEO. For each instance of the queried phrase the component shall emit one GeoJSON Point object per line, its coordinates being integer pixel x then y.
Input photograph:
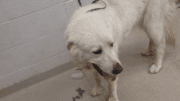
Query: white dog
{"type": "Point", "coordinates": [96, 31]}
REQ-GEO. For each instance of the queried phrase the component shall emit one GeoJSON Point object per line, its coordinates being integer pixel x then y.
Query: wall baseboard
{"type": "Point", "coordinates": [35, 73]}
{"type": "Point", "coordinates": [35, 79]}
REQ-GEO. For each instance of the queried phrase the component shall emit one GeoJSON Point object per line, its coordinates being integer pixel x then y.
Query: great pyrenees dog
{"type": "Point", "coordinates": [96, 32]}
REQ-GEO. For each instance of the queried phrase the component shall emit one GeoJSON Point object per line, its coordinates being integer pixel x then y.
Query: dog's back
{"type": "Point", "coordinates": [166, 10]}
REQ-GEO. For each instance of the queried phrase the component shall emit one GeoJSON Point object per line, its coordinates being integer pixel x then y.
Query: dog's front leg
{"type": "Point", "coordinates": [98, 88]}
{"type": "Point", "coordinates": [112, 87]}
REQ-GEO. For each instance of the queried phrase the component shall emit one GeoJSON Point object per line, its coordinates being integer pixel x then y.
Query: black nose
{"type": "Point", "coordinates": [117, 69]}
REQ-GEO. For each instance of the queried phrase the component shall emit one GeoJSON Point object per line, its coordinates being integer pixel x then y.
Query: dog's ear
{"type": "Point", "coordinates": [69, 42]}
{"type": "Point", "coordinates": [69, 45]}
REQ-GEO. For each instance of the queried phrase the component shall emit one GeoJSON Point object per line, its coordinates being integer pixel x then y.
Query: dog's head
{"type": "Point", "coordinates": [91, 39]}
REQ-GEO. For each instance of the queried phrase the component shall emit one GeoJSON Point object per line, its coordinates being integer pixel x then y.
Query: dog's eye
{"type": "Point", "coordinates": [98, 51]}
{"type": "Point", "coordinates": [111, 44]}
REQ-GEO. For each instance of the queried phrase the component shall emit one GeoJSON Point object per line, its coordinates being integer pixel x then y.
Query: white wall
{"type": "Point", "coordinates": [31, 37]}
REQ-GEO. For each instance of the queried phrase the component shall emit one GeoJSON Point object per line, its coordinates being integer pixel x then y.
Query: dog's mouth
{"type": "Point", "coordinates": [101, 72]}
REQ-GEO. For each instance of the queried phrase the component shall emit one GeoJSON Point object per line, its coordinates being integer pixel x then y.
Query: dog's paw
{"type": "Point", "coordinates": [155, 69]}
{"type": "Point", "coordinates": [113, 99]}
{"type": "Point", "coordinates": [96, 91]}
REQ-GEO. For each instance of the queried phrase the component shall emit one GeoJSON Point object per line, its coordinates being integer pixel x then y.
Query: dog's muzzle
{"type": "Point", "coordinates": [117, 69]}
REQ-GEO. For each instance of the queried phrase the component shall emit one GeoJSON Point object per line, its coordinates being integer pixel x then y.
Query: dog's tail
{"type": "Point", "coordinates": [170, 22]}
{"type": "Point", "coordinates": [79, 1]}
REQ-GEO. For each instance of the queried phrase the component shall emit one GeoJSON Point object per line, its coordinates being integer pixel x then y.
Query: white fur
{"type": "Point", "coordinates": [87, 32]}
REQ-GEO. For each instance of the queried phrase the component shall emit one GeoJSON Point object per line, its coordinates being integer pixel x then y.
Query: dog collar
{"type": "Point", "coordinates": [97, 8]}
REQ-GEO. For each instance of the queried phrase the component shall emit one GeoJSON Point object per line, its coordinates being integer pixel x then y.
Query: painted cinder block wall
{"type": "Point", "coordinates": [32, 37]}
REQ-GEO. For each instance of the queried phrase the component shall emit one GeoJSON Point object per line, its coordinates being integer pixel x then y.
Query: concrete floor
{"type": "Point", "coordinates": [134, 83]}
